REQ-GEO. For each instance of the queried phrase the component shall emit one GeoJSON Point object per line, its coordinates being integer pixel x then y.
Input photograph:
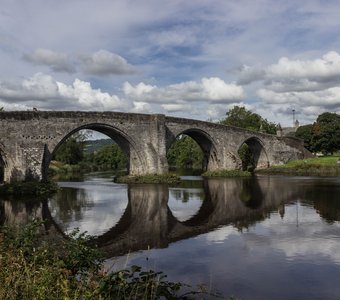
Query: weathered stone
{"type": "Point", "coordinates": [28, 140]}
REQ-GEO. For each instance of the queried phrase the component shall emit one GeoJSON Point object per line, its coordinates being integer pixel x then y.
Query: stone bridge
{"type": "Point", "coordinates": [28, 140]}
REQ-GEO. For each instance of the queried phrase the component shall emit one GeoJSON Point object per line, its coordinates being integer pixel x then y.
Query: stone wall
{"type": "Point", "coordinates": [28, 140]}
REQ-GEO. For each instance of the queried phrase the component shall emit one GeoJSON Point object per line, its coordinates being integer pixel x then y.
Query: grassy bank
{"type": "Point", "coordinates": [29, 188]}
{"type": "Point", "coordinates": [227, 173]}
{"type": "Point", "coordinates": [318, 166]}
{"type": "Point", "coordinates": [151, 178]}
{"type": "Point", "coordinates": [59, 168]}
{"type": "Point", "coordinates": [39, 266]}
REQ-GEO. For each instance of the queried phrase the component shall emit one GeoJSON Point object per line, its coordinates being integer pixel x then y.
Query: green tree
{"type": "Point", "coordinates": [185, 153]}
{"type": "Point", "coordinates": [326, 133]}
{"type": "Point", "coordinates": [110, 156]}
{"type": "Point", "coordinates": [241, 117]}
{"type": "Point", "coordinates": [72, 150]}
{"type": "Point", "coordinates": [305, 133]}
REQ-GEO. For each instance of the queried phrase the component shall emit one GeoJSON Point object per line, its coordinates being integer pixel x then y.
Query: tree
{"type": "Point", "coordinates": [185, 153]}
{"type": "Point", "coordinates": [326, 133]}
{"type": "Point", "coordinates": [110, 156]}
{"type": "Point", "coordinates": [305, 133]}
{"type": "Point", "coordinates": [239, 116]}
{"type": "Point", "coordinates": [72, 150]}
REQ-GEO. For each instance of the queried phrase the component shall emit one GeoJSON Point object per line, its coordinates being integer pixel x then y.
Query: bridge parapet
{"type": "Point", "coordinates": [28, 140]}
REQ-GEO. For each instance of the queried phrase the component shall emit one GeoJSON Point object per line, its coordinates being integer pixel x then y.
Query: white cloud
{"type": "Point", "coordinates": [324, 98]}
{"type": "Point", "coordinates": [176, 107]}
{"type": "Point", "coordinates": [89, 98]}
{"type": "Point", "coordinates": [58, 62]}
{"type": "Point", "coordinates": [43, 92]}
{"type": "Point", "coordinates": [104, 62]}
{"type": "Point", "coordinates": [38, 87]}
{"type": "Point", "coordinates": [213, 89]}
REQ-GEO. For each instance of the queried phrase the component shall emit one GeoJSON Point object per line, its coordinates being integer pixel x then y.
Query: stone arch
{"type": "Point", "coordinates": [206, 143]}
{"type": "Point", "coordinates": [258, 151]}
{"type": "Point", "coordinates": [129, 147]}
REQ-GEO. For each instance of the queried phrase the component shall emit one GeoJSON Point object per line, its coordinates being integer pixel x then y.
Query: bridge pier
{"type": "Point", "coordinates": [28, 140]}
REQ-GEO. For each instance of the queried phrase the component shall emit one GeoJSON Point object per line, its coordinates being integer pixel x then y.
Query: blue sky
{"type": "Point", "coordinates": [194, 59]}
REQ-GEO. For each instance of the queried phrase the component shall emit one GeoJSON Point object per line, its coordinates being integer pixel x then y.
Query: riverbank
{"type": "Point", "coordinates": [227, 173]}
{"type": "Point", "coordinates": [317, 166]}
{"type": "Point", "coordinates": [29, 188]}
{"type": "Point", "coordinates": [38, 266]}
{"type": "Point", "coordinates": [152, 178]}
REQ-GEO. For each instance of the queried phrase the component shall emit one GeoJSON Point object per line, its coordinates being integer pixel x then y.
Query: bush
{"type": "Point", "coordinates": [38, 266]}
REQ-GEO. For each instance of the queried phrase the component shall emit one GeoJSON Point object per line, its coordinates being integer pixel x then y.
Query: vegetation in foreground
{"type": "Point", "coordinates": [32, 188]}
{"type": "Point", "coordinates": [227, 173]}
{"type": "Point", "coordinates": [36, 266]}
{"type": "Point", "coordinates": [151, 178]}
{"type": "Point", "coordinates": [318, 166]}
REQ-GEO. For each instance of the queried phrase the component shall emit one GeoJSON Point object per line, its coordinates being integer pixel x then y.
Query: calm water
{"type": "Point", "coordinates": [267, 237]}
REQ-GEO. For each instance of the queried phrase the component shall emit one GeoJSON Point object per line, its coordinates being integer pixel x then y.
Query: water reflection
{"type": "Point", "coordinates": [253, 236]}
{"type": "Point", "coordinates": [148, 217]}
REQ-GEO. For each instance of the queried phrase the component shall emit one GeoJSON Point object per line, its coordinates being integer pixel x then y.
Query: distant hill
{"type": "Point", "coordinates": [92, 146]}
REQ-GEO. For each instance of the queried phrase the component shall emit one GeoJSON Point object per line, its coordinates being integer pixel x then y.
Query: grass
{"type": "Point", "coordinates": [31, 188]}
{"type": "Point", "coordinates": [227, 173]}
{"type": "Point", "coordinates": [38, 266]}
{"type": "Point", "coordinates": [151, 178]}
{"type": "Point", "coordinates": [317, 166]}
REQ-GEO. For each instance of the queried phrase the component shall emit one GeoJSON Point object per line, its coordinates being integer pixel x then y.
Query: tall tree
{"type": "Point", "coordinates": [241, 117]}
{"type": "Point", "coordinates": [305, 133]}
{"type": "Point", "coordinates": [72, 150]}
{"type": "Point", "coordinates": [326, 133]}
{"type": "Point", "coordinates": [185, 153]}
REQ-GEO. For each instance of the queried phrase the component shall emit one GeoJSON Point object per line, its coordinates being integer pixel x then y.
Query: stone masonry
{"type": "Point", "coordinates": [28, 140]}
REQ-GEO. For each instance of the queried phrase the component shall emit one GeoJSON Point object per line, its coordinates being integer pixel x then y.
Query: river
{"type": "Point", "coordinates": [266, 237]}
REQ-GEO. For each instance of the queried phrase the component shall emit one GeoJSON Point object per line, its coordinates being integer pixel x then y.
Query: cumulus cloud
{"type": "Point", "coordinates": [296, 75]}
{"type": "Point", "coordinates": [42, 91]}
{"type": "Point", "coordinates": [327, 98]}
{"type": "Point", "coordinates": [310, 86]}
{"type": "Point", "coordinates": [104, 62]}
{"type": "Point", "coordinates": [58, 62]}
{"type": "Point", "coordinates": [213, 89]}
{"type": "Point", "coordinates": [176, 107]}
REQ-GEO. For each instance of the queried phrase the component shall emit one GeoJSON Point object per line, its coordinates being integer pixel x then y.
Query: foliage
{"type": "Point", "coordinates": [185, 153]}
{"type": "Point", "coordinates": [239, 116]}
{"type": "Point", "coordinates": [326, 133]}
{"type": "Point", "coordinates": [37, 266]}
{"type": "Point", "coordinates": [305, 133]}
{"type": "Point", "coordinates": [322, 136]}
{"type": "Point", "coordinates": [318, 166]}
{"type": "Point", "coordinates": [78, 155]}
{"type": "Point", "coordinates": [71, 151]}
{"type": "Point", "coordinates": [227, 173]}
{"type": "Point", "coordinates": [29, 188]}
{"type": "Point", "coordinates": [151, 178]}
{"type": "Point", "coordinates": [247, 157]}
{"type": "Point", "coordinates": [109, 156]}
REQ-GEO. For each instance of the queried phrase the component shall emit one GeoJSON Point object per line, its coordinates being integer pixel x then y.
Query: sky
{"type": "Point", "coordinates": [193, 59]}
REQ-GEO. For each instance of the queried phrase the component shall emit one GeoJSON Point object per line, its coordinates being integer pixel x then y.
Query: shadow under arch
{"type": "Point", "coordinates": [258, 155]}
{"type": "Point", "coordinates": [128, 146]}
{"type": "Point", "coordinates": [2, 166]}
{"type": "Point", "coordinates": [205, 142]}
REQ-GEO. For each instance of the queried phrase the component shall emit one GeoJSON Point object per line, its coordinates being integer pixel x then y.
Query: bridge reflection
{"type": "Point", "coordinates": [148, 222]}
